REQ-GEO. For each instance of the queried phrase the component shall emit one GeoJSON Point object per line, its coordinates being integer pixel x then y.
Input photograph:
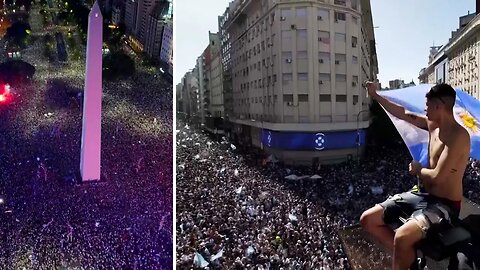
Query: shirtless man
{"type": "Point", "coordinates": [441, 194]}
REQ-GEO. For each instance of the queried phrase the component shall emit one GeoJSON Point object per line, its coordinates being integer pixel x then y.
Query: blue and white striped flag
{"type": "Point", "coordinates": [466, 112]}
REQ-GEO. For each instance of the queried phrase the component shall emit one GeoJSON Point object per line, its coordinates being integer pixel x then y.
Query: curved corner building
{"type": "Point", "coordinates": [294, 70]}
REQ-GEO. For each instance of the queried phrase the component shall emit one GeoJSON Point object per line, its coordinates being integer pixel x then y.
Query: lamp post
{"type": "Point", "coordinates": [358, 134]}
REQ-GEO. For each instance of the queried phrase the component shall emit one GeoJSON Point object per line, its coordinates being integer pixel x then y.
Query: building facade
{"type": "Point", "coordinates": [395, 84]}
{"type": "Point", "coordinates": [166, 46]}
{"type": "Point", "coordinates": [179, 98]}
{"type": "Point", "coordinates": [202, 87]}
{"type": "Point", "coordinates": [145, 9]}
{"type": "Point", "coordinates": [131, 10]}
{"type": "Point", "coordinates": [190, 96]}
{"type": "Point", "coordinates": [154, 30]}
{"type": "Point", "coordinates": [296, 69]}
{"type": "Point", "coordinates": [213, 85]}
{"type": "Point", "coordinates": [457, 62]}
{"type": "Point", "coordinates": [117, 15]}
{"type": "Point", "coordinates": [464, 57]}
{"type": "Point", "coordinates": [226, 64]}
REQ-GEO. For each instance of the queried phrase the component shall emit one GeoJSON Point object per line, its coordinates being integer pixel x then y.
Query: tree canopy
{"type": "Point", "coordinates": [16, 72]}
{"type": "Point", "coordinates": [118, 65]}
{"type": "Point", "coordinates": [18, 34]}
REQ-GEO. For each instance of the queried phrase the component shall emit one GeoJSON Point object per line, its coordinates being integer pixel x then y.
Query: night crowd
{"type": "Point", "coordinates": [49, 219]}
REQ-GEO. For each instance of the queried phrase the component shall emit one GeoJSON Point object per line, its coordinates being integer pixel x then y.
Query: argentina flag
{"type": "Point", "coordinates": [466, 112]}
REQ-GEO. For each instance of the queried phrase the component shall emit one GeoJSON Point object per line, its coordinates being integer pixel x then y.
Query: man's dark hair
{"type": "Point", "coordinates": [445, 91]}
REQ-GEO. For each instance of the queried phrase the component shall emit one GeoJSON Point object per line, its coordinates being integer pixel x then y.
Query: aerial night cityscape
{"type": "Point", "coordinates": [86, 138]}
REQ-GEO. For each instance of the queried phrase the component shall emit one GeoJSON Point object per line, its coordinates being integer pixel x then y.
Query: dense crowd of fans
{"type": "Point", "coordinates": [48, 220]}
{"type": "Point", "coordinates": [237, 211]}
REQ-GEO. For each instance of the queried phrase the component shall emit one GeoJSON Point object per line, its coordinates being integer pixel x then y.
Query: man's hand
{"type": "Point", "coordinates": [371, 88]}
{"type": "Point", "coordinates": [414, 167]}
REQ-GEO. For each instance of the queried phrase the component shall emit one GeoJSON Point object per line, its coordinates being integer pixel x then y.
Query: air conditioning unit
{"type": "Point", "coordinates": [289, 103]}
{"type": "Point", "coordinates": [319, 18]}
{"type": "Point", "coordinates": [320, 82]}
{"type": "Point", "coordinates": [282, 18]}
{"type": "Point", "coordinates": [288, 60]}
{"type": "Point", "coordinates": [320, 60]}
{"type": "Point", "coordinates": [337, 62]}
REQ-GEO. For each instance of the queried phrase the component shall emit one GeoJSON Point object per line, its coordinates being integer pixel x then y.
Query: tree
{"type": "Point", "coordinates": [19, 34]}
{"type": "Point", "coordinates": [16, 72]}
{"type": "Point", "coordinates": [146, 60]}
{"type": "Point", "coordinates": [49, 50]}
{"type": "Point", "coordinates": [113, 37]}
{"type": "Point", "coordinates": [118, 65]}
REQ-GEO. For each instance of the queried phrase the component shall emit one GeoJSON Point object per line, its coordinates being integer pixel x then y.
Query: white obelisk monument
{"type": "Point", "coordinates": [92, 99]}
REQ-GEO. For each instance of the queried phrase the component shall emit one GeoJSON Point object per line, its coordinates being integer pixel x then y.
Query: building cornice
{"type": "Point", "coordinates": [233, 16]}
{"type": "Point", "coordinates": [464, 33]}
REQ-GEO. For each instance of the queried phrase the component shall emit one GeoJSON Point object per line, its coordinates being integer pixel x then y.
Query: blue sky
{"type": "Point", "coordinates": [406, 30]}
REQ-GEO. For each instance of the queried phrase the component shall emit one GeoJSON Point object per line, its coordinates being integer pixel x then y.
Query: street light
{"type": "Point", "coordinates": [358, 134]}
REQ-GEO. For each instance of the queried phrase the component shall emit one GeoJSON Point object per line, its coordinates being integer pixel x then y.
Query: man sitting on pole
{"type": "Point", "coordinates": [439, 197]}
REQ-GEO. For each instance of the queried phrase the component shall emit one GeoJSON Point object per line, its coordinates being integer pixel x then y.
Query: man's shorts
{"type": "Point", "coordinates": [426, 210]}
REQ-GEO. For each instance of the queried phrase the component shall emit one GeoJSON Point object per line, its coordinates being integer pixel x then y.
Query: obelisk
{"type": "Point", "coordinates": [92, 99]}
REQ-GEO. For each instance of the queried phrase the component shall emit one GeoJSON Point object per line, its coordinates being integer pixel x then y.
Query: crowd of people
{"type": "Point", "coordinates": [48, 218]}
{"type": "Point", "coordinates": [237, 211]}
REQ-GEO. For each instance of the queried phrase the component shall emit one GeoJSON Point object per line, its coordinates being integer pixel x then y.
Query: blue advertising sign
{"type": "Point", "coordinates": [312, 140]}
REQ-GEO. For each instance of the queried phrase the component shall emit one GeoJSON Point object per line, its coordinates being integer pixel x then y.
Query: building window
{"type": "Point", "coordinates": [340, 77]}
{"type": "Point", "coordinates": [325, 98]}
{"type": "Point", "coordinates": [324, 37]}
{"type": "Point", "coordinates": [354, 4]}
{"type": "Point", "coordinates": [323, 15]}
{"type": "Point", "coordinates": [340, 16]}
{"type": "Point", "coordinates": [324, 57]}
{"type": "Point", "coordinates": [286, 77]}
{"type": "Point", "coordinates": [303, 98]}
{"type": "Point", "coordinates": [301, 12]}
{"type": "Point", "coordinates": [354, 42]}
{"type": "Point", "coordinates": [354, 60]}
{"type": "Point", "coordinates": [339, 58]}
{"type": "Point", "coordinates": [340, 37]}
{"type": "Point", "coordinates": [288, 98]}
{"type": "Point", "coordinates": [285, 13]}
{"type": "Point", "coordinates": [324, 77]}
{"type": "Point", "coordinates": [341, 98]}
{"type": "Point", "coordinates": [302, 76]}
{"type": "Point", "coordinates": [286, 57]}
{"type": "Point", "coordinates": [340, 2]}
{"type": "Point", "coordinates": [355, 79]}
{"type": "Point", "coordinates": [355, 99]}
{"type": "Point", "coordinates": [301, 33]}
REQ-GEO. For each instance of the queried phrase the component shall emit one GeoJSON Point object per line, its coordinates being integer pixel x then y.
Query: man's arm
{"type": "Point", "coordinates": [397, 110]}
{"type": "Point", "coordinates": [447, 163]}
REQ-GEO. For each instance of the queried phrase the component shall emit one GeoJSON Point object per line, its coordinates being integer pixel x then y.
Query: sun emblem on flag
{"type": "Point", "coordinates": [468, 121]}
